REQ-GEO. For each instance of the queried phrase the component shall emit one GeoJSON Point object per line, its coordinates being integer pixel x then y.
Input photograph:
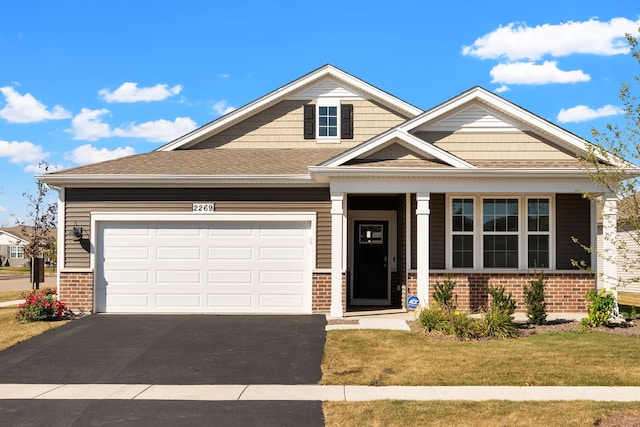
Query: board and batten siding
{"type": "Point", "coordinates": [282, 126]}
{"type": "Point", "coordinates": [81, 202]}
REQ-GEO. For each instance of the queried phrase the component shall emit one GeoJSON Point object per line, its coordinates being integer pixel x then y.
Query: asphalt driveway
{"type": "Point", "coordinates": [171, 349]}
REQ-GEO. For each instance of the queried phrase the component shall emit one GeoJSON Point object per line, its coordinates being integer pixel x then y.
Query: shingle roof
{"type": "Point", "coordinates": [220, 161]}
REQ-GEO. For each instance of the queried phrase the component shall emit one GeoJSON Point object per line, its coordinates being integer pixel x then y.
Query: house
{"type": "Point", "coordinates": [12, 243]}
{"type": "Point", "coordinates": [328, 195]}
{"type": "Point", "coordinates": [11, 247]}
{"type": "Point", "coordinates": [624, 250]}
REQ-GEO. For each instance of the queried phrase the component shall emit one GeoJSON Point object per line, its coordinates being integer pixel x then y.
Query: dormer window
{"type": "Point", "coordinates": [327, 121]}
{"type": "Point", "coordinates": [334, 121]}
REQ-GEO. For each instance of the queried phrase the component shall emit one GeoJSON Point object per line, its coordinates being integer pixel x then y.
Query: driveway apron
{"type": "Point", "coordinates": [171, 349]}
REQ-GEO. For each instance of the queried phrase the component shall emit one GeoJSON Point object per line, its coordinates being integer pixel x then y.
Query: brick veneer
{"type": "Point", "coordinates": [564, 291]}
{"type": "Point", "coordinates": [321, 293]}
{"type": "Point", "coordinates": [76, 290]}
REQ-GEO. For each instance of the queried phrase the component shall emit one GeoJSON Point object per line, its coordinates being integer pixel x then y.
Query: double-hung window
{"type": "Point", "coordinates": [462, 232]}
{"type": "Point", "coordinates": [538, 231]}
{"type": "Point", "coordinates": [327, 121]}
{"type": "Point", "coordinates": [500, 240]}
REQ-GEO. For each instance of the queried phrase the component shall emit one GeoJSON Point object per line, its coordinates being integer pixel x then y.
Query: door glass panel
{"type": "Point", "coordinates": [371, 234]}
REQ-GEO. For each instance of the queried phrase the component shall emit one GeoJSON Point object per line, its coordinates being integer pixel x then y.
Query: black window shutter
{"type": "Point", "coordinates": [346, 121]}
{"type": "Point", "coordinates": [309, 121]}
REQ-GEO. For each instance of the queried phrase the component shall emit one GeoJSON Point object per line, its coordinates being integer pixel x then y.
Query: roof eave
{"type": "Point", "coordinates": [159, 180]}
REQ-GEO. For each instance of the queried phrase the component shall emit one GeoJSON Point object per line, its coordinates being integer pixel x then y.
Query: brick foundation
{"type": "Point", "coordinates": [76, 290]}
{"type": "Point", "coordinates": [321, 293]}
{"type": "Point", "coordinates": [564, 291]}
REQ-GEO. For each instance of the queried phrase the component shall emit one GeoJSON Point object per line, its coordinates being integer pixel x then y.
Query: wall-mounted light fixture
{"type": "Point", "coordinates": [76, 232]}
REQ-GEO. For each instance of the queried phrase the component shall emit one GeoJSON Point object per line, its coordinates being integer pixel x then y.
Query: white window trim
{"type": "Point", "coordinates": [478, 241]}
{"type": "Point", "coordinates": [17, 249]}
{"type": "Point", "coordinates": [328, 102]}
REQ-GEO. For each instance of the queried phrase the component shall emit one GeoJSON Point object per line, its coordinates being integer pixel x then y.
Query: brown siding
{"type": "Point", "coordinates": [573, 220]}
{"type": "Point", "coordinates": [437, 245]}
{"type": "Point", "coordinates": [282, 126]}
{"type": "Point", "coordinates": [81, 202]}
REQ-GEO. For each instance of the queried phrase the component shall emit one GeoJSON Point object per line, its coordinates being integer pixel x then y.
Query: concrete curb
{"type": "Point", "coordinates": [311, 392]}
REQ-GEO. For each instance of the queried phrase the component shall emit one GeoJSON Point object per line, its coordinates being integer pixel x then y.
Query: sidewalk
{"type": "Point", "coordinates": [279, 392]}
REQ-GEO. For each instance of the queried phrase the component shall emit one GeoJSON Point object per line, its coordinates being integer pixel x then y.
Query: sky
{"type": "Point", "coordinates": [87, 81]}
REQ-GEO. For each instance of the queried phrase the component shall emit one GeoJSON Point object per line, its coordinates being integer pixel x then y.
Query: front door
{"type": "Point", "coordinates": [370, 263]}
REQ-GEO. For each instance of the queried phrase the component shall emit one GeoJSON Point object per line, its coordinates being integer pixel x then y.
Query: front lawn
{"type": "Point", "coordinates": [379, 357]}
{"type": "Point", "coordinates": [13, 332]}
{"type": "Point", "coordinates": [491, 413]}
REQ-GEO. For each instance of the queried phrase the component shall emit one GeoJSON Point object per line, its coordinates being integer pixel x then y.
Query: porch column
{"type": "Point", "coordinates": [422, 249]}
{"type": "Point", "coordinates": [337, 253]}
{"type": "Point", "coordinates": [609, 244]}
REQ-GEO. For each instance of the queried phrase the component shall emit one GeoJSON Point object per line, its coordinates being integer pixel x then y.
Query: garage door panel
{"type": "Point", "coordinates": [230, 253]}
{"type": "Point", "coordinates": [176, 277]}
{"type": "Point", "coordinates": [228, 277]}
{"type": "Point", "coordinates": [204, 267]}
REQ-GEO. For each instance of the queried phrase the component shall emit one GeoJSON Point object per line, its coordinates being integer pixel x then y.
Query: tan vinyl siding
{"type": "Point", "coordinates": [472, 146]}
{"type": "Point", "coordinates": [281, 126]}
{"type": "Point", "coordinates": [82, 202]}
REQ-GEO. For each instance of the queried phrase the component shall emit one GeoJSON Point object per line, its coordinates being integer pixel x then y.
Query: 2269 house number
{"type": "Point", "coordinates": [202, 207]}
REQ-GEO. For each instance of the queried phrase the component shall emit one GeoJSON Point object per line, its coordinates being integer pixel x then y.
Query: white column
{"type": "Point", "coordinates": [609, 244]}
{"type": "Point", "coordinates": [422, 224]}
{"type": "Point", "coordinates": [337, 252]}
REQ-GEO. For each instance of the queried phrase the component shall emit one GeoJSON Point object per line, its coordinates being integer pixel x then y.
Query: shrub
{"type": "Point", "coordinates": [433, 318]}
{"type": "Point", "coordinates": [497, 323]}
{"type": "Point", "coordinates": [601, 305]}
{"type": "Point", "coordinates": [500, 301]}
{"type": "Point", "coordinates": [443, 294]}
{"type": "Point", "coordinates": [40, 305]}
{"type": "Point", "coordinates": [534, 299]}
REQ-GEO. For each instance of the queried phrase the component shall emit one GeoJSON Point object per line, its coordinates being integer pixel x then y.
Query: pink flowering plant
{"type": "Point", "coordinates": [40, 305]}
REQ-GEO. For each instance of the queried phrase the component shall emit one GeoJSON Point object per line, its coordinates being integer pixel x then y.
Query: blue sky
{"type": "Point", "coordinates": [85, 81]}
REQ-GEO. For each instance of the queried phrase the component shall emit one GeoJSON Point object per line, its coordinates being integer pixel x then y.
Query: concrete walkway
{"type": "Point", "coordinates": [11, 303]}
{"type": "Point", "coordinates": [277, 392]}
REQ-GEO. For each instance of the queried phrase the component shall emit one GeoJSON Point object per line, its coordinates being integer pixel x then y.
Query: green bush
{"type": "Point", "coordinates": [498, 323]}
{"type": "Point", "coordinates": [534, 299]}
{"type": "Point", "coordinates": [601, 305]}
{"type": "Point", "coordinates": [433, 318]}
{"type": "Point", "coordinates": [502, 302]}
{"type": "Point", "coordinates": [40, 305]}
{"type": "Point", "coordinates": [443, 294]}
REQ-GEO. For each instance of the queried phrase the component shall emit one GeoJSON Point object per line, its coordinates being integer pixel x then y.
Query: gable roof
{"type": "Point", "coordinates": [290, 90]}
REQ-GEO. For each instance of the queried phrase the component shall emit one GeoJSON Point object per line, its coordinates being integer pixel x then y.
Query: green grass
{"type": "Point", "coordinates": [491, 413]}
{"type": "Point", "coordinates": [377, 357]}
{"type": "Point", "coordinates": [14, 270]}
{"type": "Point", "coordinates": [12, 295]}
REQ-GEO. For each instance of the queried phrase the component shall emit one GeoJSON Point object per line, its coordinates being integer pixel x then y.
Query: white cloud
{"type": "Point", "coordinates": [2, 209]}
{"type": "Point", "coordinates": [130, 92]}
{"type": "Point", "coordinates": [222, 107]}
{"type": "Point", "coordinates": [532, 73]}
{"type": "Point", "coordinates": [158, 130]}
{"type": "Point", "coordinates": [87, 153]}
{"type": "Point", "coordinates": [502, 89]}
{"type": "Point", "coordinates": [87, 125]}
{"type": "Point", "coordinates": [583, 113]}
{"type": "Point", "coordinates": [38, 168]}
{"type": "Point", "coordinates": [519, 41]}
{"type": "Point", "coordinates": [27, 109]}
{"type": "Point", "coordinates": [21, 152]}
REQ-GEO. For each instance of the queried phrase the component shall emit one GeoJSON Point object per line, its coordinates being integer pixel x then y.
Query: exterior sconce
{"type": "Point", "coordinates": [76, 232]}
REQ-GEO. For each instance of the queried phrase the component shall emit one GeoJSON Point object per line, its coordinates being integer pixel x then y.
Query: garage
{"type": "Point", "coordinates": [203, 266]}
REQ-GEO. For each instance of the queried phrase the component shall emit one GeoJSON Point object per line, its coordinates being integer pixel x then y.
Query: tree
{"type": "Point", "coordinates": [612, 165]}
{"type": "Point", "coordinates": [40, 221]}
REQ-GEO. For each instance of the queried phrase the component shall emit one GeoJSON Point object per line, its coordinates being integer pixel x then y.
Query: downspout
{"type": "Point", "coordinates": [61, 232]}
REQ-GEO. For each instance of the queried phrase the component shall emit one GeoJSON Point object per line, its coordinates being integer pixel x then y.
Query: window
{"type": "Point", "coordinates": [500, 233]}
{"type": "Point", "coordinates": [462, 232]}
{"type": "Point", "coordinates": [538, 233]}
{"type": "Point", "coordinates": [16, 252]}
{"type": "Point", "coordinates": [334, 121]}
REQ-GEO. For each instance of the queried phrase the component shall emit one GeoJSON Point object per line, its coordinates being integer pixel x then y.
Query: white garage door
{"type": "Point", "coordinates": [178, 267]}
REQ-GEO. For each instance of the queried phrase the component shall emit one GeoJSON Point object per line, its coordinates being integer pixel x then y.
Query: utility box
{"type": "Point", "coordinates": [37, 272]}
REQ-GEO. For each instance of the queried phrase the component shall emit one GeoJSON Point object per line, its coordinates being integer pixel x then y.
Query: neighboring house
{"type": "Point", "coordinates": [11, 247]}
{"type": "Point", "coordinates": [328, 195]}
{"type": "Point", "coordinates": [627, 250]}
